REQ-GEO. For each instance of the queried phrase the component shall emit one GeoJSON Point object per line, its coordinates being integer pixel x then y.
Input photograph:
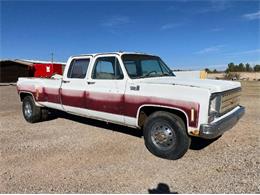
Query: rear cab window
{"type": "Point", "coordinates": [78, 68]}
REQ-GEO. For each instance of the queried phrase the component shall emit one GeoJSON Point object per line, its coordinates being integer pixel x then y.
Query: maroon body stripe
{"type": "Point", "coordinates": [105, 102]}
{"type": "Point", "coordinates": [133, 103]}
{"type": "Point", "coordinates": [50, 95]}
{"type": "Point", "coordinates": [74, 98]}
{"type": "Point", "coordinates": [120, 104]}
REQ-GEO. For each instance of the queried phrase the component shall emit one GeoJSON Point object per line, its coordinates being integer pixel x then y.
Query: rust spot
{"type": "Point", "coordinates": [37, 94]}
{"type": "Point", "coordinates": [195, 132]}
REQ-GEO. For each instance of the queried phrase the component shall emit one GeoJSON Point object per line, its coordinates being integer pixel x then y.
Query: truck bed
{"type": "Point", "coordinates": [44, 90]}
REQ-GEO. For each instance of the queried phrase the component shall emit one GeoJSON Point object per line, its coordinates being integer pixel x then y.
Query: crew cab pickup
{"type": "Point", "coordinates": [137, 90]}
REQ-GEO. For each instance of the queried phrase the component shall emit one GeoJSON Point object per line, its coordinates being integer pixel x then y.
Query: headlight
{"type": "Point", "coordinates": [214, 106]}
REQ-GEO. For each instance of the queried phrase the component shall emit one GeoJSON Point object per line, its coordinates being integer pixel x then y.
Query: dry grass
{"type": "Point", "coordinates": [249, 76]}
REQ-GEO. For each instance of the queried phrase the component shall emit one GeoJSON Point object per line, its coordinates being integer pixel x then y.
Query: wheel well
{"type": "Point", "coordinates": [23, 95]}
{"type": "Point", "coordinates": [146, 111]}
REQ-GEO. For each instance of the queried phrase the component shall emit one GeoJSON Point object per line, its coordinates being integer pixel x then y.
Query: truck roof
{"type": "Point", "coordinates": [117, 53]}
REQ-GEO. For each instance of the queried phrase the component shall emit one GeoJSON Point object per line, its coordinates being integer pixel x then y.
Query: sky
{"type": "Point", "coordinates": [186, 34]}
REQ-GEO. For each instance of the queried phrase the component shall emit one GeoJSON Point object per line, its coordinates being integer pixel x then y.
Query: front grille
{"type": "Point", "coordinates": [229, 100]}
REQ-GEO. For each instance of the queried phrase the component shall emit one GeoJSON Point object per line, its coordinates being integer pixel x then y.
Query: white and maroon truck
{"type": "Point", "coordinates": [137, 90]}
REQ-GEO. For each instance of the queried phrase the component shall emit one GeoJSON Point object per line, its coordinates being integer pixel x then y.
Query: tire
{"type": "Point", "coordinates": [165, 135]}
{"type": "Point", "coordinates": [31, 112]}
{"type": "Point", "coordinates": [44, 114]}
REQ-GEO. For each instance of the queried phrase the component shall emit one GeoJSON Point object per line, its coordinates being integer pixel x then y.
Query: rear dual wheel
{"type": "Point", "coordinates": [33, 113]}
{"type": "Point", "coordinates": [165, 135]}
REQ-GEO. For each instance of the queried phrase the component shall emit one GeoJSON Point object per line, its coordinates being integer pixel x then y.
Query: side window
{"type": "Point", "coordinates": [78, 68]}
{"type": "Point", "coordinates": [107, 68]}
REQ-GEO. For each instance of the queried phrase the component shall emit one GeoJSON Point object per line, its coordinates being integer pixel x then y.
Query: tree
{"type": "Point", "coordinates": [231, 67]}
{"type": "Point", "coordinates": [248, 68]}
{"type": "Point", "coordinates": [241, 67]}
{"type": "Point", "coordinates": [207, 70]}
{"type": "Point", "coordinates": [257, 68]}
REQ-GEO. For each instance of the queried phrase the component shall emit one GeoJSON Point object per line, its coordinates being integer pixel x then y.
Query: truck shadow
{"type": "Point", "coordinates": [161, 188]}
{"type": "Point", "coordinates": [196, 142]}
{"type": "Point", "coordinates": [97, 123]}
{"type": "Point", "coordinates": [199, 143]}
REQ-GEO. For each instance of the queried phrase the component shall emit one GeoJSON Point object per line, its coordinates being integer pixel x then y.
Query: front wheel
{"type": "Point", "coordinates": [165, 135]}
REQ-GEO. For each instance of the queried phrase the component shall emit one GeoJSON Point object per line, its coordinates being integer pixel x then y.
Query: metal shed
{"type": "Point", "coordinates": [10, 70]}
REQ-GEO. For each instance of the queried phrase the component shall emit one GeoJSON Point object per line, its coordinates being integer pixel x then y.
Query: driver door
{"type": "Point", "coordinates": [106, 89]}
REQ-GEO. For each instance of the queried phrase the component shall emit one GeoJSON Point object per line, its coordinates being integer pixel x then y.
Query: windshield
{"type": "Point", "coordinates": [141, 66]}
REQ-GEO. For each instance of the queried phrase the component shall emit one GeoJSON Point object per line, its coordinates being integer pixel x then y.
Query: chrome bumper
{"type": "Point", "coordinates": [215, 129]}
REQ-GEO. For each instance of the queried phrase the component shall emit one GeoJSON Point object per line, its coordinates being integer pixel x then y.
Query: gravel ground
{"type": "Point", "coordinates": [76, 155]}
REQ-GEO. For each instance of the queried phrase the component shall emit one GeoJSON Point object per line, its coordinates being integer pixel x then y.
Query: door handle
{"type": "Point", "coordinates": [91, 82]}
{"type": "Point", "coordinates": [65, 81]}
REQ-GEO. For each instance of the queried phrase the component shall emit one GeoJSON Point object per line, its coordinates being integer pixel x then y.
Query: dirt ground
{"type": "Point", "coordinates": [77, 155]}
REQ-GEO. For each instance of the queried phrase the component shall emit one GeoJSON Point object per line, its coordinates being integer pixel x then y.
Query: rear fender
{"type": "Point", "coordinates": [23, 94]}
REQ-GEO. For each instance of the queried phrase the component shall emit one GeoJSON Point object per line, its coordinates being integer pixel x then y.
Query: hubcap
{"type": "Point", "coordinates": [163, 136]}
{"type": "Point", "coordinates": [27, 110]}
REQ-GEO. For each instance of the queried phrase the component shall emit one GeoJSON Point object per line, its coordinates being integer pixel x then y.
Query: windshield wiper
{"type": "Point", "coordinates": [141, 77]}
{"type": "Point", "coordinates": [145, 76]}
{"type": "Point", "coordinates": [165, 74]}
{"type": "Point", "coordinates": [149, 76]}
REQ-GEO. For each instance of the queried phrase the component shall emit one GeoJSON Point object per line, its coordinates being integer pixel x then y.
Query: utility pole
{"type": "Point", "coordinates": [52, 54]}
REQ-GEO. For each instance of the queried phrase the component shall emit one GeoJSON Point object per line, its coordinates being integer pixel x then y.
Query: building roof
{"type": "Point", "coordinates": [37, 61]}
{"type": "Point", "coordinates": [31, 62]}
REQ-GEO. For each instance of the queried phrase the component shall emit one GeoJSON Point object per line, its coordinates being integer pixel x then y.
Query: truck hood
{"type": "Point", "coordinates": [212, 85]}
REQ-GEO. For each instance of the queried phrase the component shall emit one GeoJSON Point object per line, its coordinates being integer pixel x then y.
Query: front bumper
{"type": "Point", "coordinates": [215, 129]}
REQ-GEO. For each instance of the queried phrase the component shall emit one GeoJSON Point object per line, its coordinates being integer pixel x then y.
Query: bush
{"type": "Point", "coordinates": [232, 76]}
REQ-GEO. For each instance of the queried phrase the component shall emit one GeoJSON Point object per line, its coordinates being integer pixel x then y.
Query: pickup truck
{"type": "Point", "coordinates": [140, 91]}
